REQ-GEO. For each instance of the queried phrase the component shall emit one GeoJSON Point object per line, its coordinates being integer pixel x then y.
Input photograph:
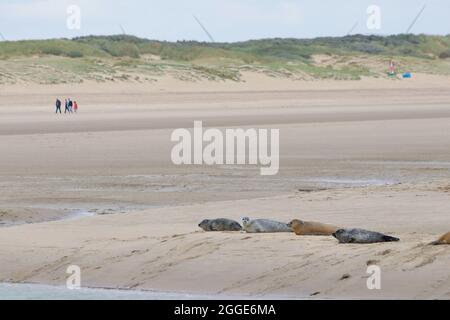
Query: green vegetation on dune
{"type": "Point", "coordinates": [129, 58]}
{"type": "Point", "coordinates": [57, 47]}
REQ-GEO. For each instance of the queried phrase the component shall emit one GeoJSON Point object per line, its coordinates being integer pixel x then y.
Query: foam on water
{"type": "Point", "coordinates": [79, 214]}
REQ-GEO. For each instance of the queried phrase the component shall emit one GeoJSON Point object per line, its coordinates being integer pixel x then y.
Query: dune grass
{"type": "Point", "coordinates": [129, 58]}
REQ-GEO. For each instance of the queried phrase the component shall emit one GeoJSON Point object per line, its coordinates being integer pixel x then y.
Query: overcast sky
{"type": "Point", "coordinates": [226, 20]}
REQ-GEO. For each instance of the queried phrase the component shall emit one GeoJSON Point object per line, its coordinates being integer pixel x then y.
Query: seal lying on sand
{"type": "Point", "coordinates": [220, 225]}
{"type": "Point", "coordinates": [361, 236]}
{"type": "Point", "coordinates": [310, 228]}
{"type": "Point", "coordinates": [445, 239]}
{"type": "Point", "coordinates": [264, 226]}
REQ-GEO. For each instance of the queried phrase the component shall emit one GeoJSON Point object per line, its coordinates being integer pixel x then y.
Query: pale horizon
{"type": "Point", "coordinates": [224, 42]}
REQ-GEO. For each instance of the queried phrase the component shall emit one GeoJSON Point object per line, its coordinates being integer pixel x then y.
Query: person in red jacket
{"type": "Point", "coordinates": [75, 106]}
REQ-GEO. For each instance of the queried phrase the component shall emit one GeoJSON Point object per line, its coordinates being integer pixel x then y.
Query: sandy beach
{"type": "Point", "coordinates": [98, 189]}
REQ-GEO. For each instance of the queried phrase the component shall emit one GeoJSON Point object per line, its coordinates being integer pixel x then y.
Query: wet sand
{"type": "Point", "coordinates": [376, 157]}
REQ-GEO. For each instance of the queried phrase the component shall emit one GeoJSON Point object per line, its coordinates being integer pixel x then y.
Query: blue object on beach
{"type": "Point", "coordinates": [407, 75]}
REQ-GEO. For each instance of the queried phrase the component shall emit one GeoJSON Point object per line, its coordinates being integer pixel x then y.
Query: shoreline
{"type": "Point", "coordinates": [27, 291]}
{"type": "Point", "coordinates": [11, 217]}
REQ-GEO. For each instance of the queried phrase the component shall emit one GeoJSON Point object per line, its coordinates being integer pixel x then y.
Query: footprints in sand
{"type": "Point", "coordinates": [425, 261]}
{"type": "Point", "coordinates": [411, 257]}
{"type": "Point", "coordinates": [181, 236]}
{"type": "Point", "coordinates": [345, 276]}
{"type": "Point", "coordinates": [421, 256]}
{"type": "Point", "coordinates": [162, 256]}
{"type": "Point", "coordinates": [138, 252]}
{"type": "Point", "coordinates": [385, 252]}
{"type": "Point", "coordinates": [372, 262]}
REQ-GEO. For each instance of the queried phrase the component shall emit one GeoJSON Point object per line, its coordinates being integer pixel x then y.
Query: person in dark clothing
{"type": "Point", "coordinates": [66, 105]}
{"type": "Point", "coordinates": [58, 106]}
{"type": "Point", "coordinates": [70, 106]}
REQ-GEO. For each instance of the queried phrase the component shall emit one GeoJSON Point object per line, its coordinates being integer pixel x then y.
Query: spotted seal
{"type": "Point", "coordinates": [220, 225]}
{"type": "Point", "coordinates": [264, 226]}
{"type": "Point", "coordinates": [361, 236]}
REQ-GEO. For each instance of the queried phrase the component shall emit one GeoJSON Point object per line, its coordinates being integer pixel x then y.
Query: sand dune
{"type": "Point", "coordinates": [163, 249]}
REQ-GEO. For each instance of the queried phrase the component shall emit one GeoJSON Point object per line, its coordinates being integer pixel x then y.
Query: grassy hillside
{"type": "Point", "coordinates": [128, 58]}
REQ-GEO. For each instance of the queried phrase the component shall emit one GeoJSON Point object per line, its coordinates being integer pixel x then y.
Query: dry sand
{"type": "Point", "coordinates": [373, 154]}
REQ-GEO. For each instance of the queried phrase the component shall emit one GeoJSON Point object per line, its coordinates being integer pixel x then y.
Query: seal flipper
{"type": "Point", "coordinates": [236, 226]}
{"type": "Point", "coordinates": [390, 239]}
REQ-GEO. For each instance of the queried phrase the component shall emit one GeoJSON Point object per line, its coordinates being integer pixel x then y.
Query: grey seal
{"type": "Point", "coordinates": [264, 226]}
{"type": "Point", "coordinates": [220, 225]}
{"type": "Point", "coordinates": [361, 236]}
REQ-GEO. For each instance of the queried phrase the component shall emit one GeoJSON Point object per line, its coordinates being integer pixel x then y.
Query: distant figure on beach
{"type": "Point", "coordinates": [66, 107]}
{"type": "Point", "coordinates": [75, 106]}
{"type": "Point", "coordinates": [392, 68]}
{"type": "Point", "coordinates": [70, 106]}
{"type": "Point", "coordinates": [58, 106]}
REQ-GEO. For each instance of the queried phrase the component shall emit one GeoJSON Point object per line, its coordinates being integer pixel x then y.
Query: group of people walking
{"type": "Point", "coordinates": [70, 106]}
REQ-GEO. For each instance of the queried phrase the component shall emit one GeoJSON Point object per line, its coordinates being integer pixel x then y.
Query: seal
{"type": "Point", "coordinates": [445, 239]}
{"type": "Point", "coordinates": [264, 226]}
{"type": "Point", "coordinates": [310, 228]}
{"type": "Point", "coordinates": [361, 236]}
{"type": "Point", "coordinates": [220, 225]}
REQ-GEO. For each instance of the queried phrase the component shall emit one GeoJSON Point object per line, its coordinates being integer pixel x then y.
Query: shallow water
{"type": "Point", "coordinates": [44, 292]}
{"type": "Point", "coordinates": [80, 214]}
{"type": "Point", "coordinates": [347, 182]}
